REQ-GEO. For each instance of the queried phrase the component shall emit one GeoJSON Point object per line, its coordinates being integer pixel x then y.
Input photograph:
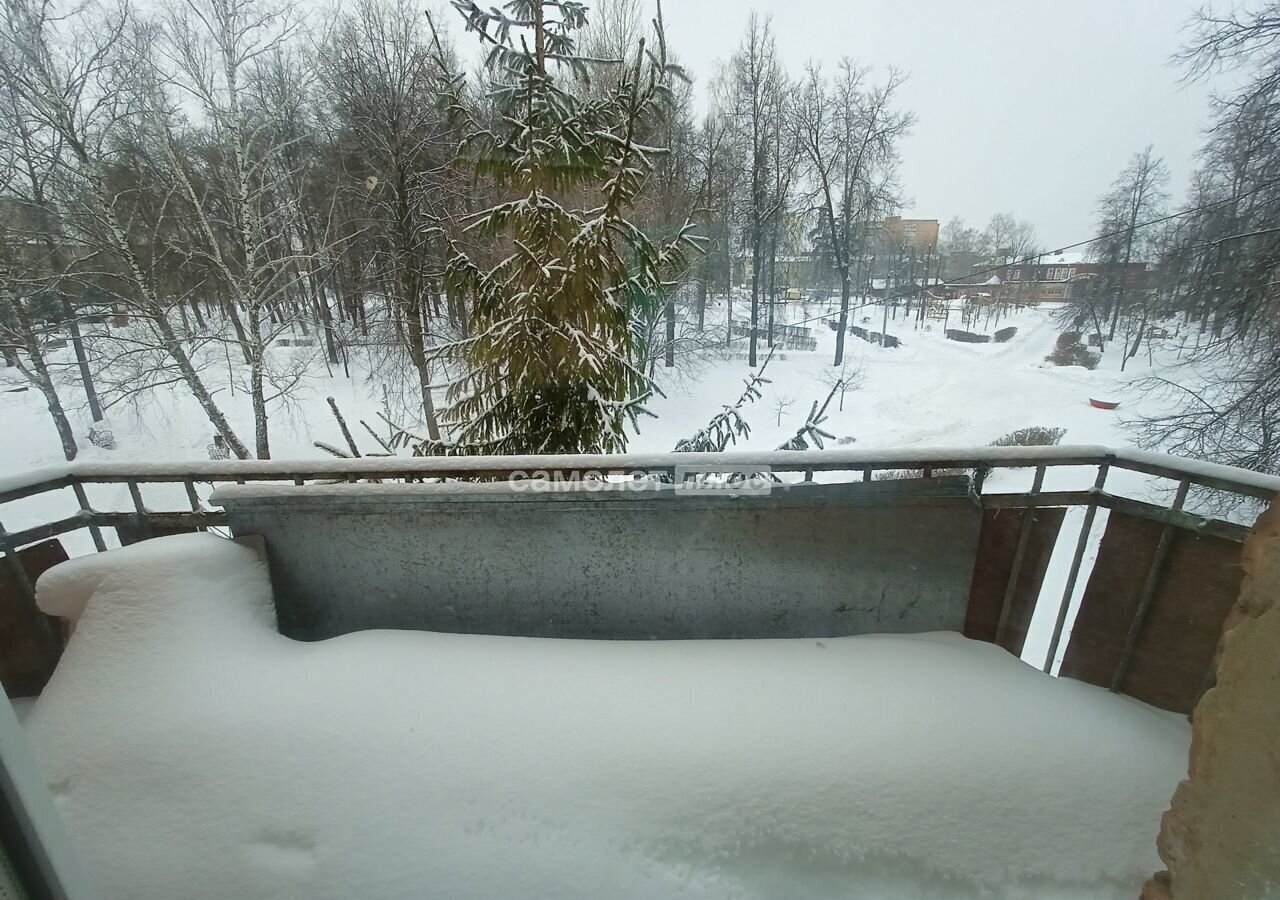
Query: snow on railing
{"type": "Point", "coordinates": [857, 463]}
{"type": "Point", "coordinates": [1228, 478]}
{"type": "Point", "coordinates": [854, 464]}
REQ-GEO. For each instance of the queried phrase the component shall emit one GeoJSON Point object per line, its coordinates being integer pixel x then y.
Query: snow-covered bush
{"type": "Point", "coordinates": [1070, 352]}
{"type": "Point", "coordinates": [1033, 436]}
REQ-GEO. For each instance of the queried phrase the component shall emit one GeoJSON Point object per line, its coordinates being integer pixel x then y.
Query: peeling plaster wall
{"type": "Point", "coordinates": [1221, 837]}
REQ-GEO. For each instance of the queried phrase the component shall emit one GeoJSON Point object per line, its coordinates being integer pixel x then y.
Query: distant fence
{"type": "Point", "coordinates": [1004, 335]}
{"type": "Point", "coordinates": [791, 337]}
{"type": "Point", "coordinates": [967, 337]}
{"type": "Point", "coordinates": [875, 337]}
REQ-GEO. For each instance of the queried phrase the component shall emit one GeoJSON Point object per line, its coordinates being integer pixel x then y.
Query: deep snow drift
{"type": "Point", "coordinates": [195, 753]}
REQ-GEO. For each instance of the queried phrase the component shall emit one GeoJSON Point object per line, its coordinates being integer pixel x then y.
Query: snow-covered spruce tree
{"type": "Point", "coordinates": [550, 363]}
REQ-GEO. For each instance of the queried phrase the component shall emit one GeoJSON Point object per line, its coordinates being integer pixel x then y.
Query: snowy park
{"type": "Point", "coordinates": [707, 769]}
{"type": "Point", "coordinates": [583, 450]}
{"type": "Point", "coordinates": [928, 392]}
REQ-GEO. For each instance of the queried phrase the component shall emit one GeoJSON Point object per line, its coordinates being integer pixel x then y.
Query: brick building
{"type": "Point", "coordinates": [918, 234]}
{"type": "Point", "coordinates": [1053, 278]}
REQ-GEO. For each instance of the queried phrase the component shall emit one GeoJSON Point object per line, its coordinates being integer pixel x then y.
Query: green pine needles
{"type": "Point", "coordinates": [551, 363]}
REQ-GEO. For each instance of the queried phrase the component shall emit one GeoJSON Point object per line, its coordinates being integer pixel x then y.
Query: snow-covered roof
{"type": "Point", "coordinates": [1066, 257]}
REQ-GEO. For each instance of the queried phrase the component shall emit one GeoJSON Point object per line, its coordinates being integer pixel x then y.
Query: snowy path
{"type": "Point", "coordinates": [931, 391]}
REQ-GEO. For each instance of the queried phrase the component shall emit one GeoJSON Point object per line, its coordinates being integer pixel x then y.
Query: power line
{"type": "Point", "coordinates": [1102, 237]}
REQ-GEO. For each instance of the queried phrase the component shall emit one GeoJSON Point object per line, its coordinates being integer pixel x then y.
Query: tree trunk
{"type": "Point", "coordinates": [670, 315]}
{"type": "Point", "coordinates": [326, 325]}
{"type": "Point", "coordinates": [237, 325]}
{"type": "Point", "coordinates": [757, 260]}
{"type": "Point", "coordinates": [195, 311]}
{"type": "Point", "coordinates": [42, 380]}
{"type": "Point", "coordinates": [82, 360]}
{"type": "Point", "coordinates": [39, 375]}
{"type": "Point", "coordinates": [73, 325]}
{"type": "Point", "coordinates": [844, 315]}
{"type": "Point", "coordinates": [773, 278]}
{"type": "Point", "coordinates": [911, 283]}
{"type": "Point", "coordinates": [256, 393]}
{"type": "Point", "coordinates": [1137, 341]}
{"type": "Point", "coordinates": [1115, 317]}
{"type": "Point", "coordinates": [151, 305]}
{"type": "Point", "coordinates": [1124, 274]}
{"type": "Point", "coordinates": [173, 344]}
{"type": "Point", "coordinates": [260, 434]}
{"type": "Point", "coordinates": [415, 338]}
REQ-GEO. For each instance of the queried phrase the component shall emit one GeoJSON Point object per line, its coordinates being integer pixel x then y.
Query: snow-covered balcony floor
{"type": "Point", "coordinates": [195, 752]}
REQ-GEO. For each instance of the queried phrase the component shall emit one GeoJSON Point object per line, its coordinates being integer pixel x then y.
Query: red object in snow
{"type": "Point", "coordinates": [1103, 404]}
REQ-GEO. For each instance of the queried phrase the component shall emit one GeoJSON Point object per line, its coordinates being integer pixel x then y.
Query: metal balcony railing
{"type": "Point", "coordinates": [59, 502]}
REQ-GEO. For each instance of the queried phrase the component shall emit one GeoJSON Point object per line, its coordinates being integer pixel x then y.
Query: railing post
{"type": "Point", "coordinates": [140, 513]}
{"type": "Point", "coordinates": [192, 497]}
{"type": "Point", "coordinates": [1081, 545]}
{"type": "Point", "coordinates": [1024, 537]}
{"type": "Point", "coordinates": [136, 493]}
{"type": "Point", "coordinates": [83, 499]}
{"type": "Point", "coordinates": [11, 559]}
{"type": "Point", "coordinates": [23, 582]}
{"type": "Point", "coordinates": [1147, 593]}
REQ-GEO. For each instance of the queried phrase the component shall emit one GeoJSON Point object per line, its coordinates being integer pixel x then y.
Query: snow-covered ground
{"type": "Point", "coordinates": [196, 753]}
{"type": "Point", "coordinates": [929, 392]}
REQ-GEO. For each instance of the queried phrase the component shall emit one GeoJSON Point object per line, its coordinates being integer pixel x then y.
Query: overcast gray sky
{"type": "Point", "coordinates": [1026, 106]}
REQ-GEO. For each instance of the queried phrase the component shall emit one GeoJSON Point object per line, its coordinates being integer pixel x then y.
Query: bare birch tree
{"type": "Point", "coordinates": [1136, 197]}
{"type": "Point", "coordinates": [848, 132]}
{"type": "Point", "coordinates": [240, 216]}
{"type": "Point", "coordinates": [72, 76]}
{"type": "Point", "coordinates": [758, 90]}
{"type": "Point", "coordinates": [389, 77]}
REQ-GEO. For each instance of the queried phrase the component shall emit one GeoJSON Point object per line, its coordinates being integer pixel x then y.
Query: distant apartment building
{"type": "Point", "coordinates": [918, 234]}
{"type": "Point", "coordinates": [899, 250]}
